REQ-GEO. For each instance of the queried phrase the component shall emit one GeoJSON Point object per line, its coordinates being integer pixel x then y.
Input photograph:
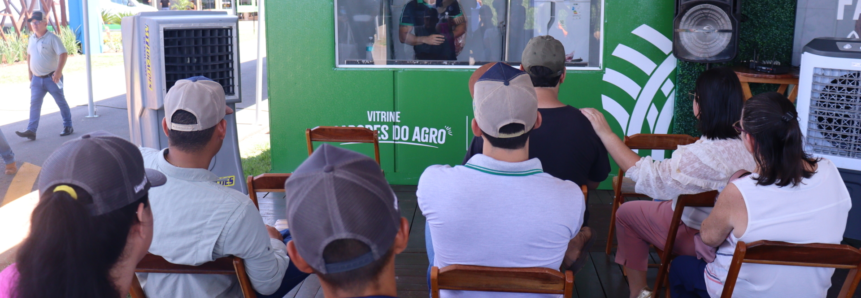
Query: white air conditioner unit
{"type": "Point", "coordinates": [829, 112]}
{"type": "Point", "coordinates": [160, 48]}
{"type": "Point", "coordinates": [829, 100]}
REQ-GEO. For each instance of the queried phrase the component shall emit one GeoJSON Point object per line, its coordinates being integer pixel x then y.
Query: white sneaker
{"type": "Point", "coordinates": [645, 293]}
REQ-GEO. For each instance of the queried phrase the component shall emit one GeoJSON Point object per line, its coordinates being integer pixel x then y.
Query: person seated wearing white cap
{"type": "Point", "coordinates": [500, 209]}
{"type": "Point", "coordinates": [345, 222]}
{"type": "Point", "coordinates": [198, 220]}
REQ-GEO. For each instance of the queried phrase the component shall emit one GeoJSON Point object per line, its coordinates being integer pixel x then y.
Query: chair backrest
{"type": "Point", "coordinates": [267, 182]}
{"type": "Point", "coordinates": [658, 141]}
{"type": "Point", "coordinates": [789, 254]}
{"type": "Point", "coordinates": [703, 199]}
{"type": "Point", "coordinates": [342, 134]}
{"type": "Point", "coordinates": [224, 266]}
{"type": "Point", "coordinates": [496, 279]}
{"type": "Point", "coordinates": [585, 193]}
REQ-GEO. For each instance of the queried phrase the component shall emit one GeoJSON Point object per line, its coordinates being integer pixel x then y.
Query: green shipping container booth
{"type": "Point", "coordinates": [342, 63]}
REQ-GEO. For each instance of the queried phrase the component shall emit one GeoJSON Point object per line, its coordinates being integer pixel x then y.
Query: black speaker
{"type": "Point", "coordinates": [706, 31]}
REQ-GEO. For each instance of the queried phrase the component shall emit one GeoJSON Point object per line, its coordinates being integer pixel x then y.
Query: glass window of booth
{"type": "Point", "coordinates": [452, 33]}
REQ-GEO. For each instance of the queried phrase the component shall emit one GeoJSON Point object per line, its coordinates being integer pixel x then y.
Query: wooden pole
{"type": "Point", "coordinates": [56, 20]}
{"type": "Point", "coordinates": [3, 21]}
{"type": "Point", "coordinates": [22, 14]}
{"type": "Point", "coordinates": [64, 21]}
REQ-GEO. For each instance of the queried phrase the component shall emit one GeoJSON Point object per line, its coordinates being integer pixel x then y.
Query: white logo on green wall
{"type": "Point", "coordinates": [393, 132]}
{"type": "Point", "coordinates": [644, 111]}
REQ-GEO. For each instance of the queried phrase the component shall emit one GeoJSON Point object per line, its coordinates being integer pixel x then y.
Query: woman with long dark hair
{"type": "Point", "coordinates": [790, 197]}
{"type": "Point", "coordinates": [703, 166]}
{"type": "Point", "coordinates": [92, 224]}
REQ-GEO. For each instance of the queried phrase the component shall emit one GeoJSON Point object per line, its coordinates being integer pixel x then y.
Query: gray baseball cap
{"type": "Point", "coordinates": [200, 96]}
{"type": "Point", "coordinates": [544, 51]}
{"type": "Point", "coordinates": [340, 194]}
{"type": "Point", "coordinates": [109, 168]}
{"type": "Point", "coordinates": [504, 95]}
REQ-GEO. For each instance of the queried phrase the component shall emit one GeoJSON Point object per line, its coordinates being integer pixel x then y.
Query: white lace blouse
{"type": "Point", "coordinates": [702, 166]}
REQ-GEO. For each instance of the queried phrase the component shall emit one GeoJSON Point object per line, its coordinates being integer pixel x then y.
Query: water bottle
{"type": "Point", "coordinates": [369, 49]}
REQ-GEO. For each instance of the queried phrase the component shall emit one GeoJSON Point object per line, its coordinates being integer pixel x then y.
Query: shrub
{"type": "Point", "coordinates": [70, 41]}
{"type": "Point", "coordinates": [182, 5]}
{"type": "Point", "coordinates": [14, 48]}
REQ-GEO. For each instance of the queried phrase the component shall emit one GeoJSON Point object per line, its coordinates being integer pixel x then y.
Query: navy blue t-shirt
{"type": "Point", "coordinates": [424, 17]}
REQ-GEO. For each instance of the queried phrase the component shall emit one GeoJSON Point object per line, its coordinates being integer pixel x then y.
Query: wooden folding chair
{"type": "Point", "coordinates": [496, 279]}
{"type": "Point", "coordinates": [267, 182]}
{"type": "Point", "coordinates": [788, 254]}
{"type": "Point", "coordinates": [224, 266]}
{"type": "Point", "coordinates": [342, 134]}
{"type": "Point", "coordinates": [704, 199]}
{"type": "Point", "coordinates": [622, 187]}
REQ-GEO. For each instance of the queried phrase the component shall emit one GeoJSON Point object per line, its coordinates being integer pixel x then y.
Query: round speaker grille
{"type": "Point", "coordinates": [705, 30]}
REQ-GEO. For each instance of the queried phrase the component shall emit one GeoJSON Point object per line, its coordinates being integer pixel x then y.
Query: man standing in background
{"type": "Point", "coordinates": [46, 57]}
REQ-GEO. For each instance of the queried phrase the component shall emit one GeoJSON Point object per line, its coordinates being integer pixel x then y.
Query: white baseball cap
{"type": "Point", "coordinates": [505, 95]}
{"type": "Point", "coordinates": [199, 96]}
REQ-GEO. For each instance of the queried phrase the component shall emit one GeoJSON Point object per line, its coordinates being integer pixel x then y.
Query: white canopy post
{"type": "Point", "coordinates": [261, 44]}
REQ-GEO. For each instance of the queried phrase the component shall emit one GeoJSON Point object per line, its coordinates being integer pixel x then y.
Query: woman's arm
{"type": "Point", "coordinates": [624, 156]}
{"type": "Point", "coordinates": [730, 213]}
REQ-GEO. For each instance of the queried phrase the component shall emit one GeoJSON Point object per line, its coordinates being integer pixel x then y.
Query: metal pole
{"type": "Point", "coordinates": [88, 51]}
{"type": "Point", "coordinates": [260, 47]}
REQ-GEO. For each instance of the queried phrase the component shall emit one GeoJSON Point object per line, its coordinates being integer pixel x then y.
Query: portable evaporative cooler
{"type": "Point", "coordinates": [829, 111]}
{"type": "Point", "coordinates": [163, 47]}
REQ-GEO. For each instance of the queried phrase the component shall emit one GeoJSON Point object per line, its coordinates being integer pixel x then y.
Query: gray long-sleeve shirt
{"type": "Point", "coordinates": [197, 221]}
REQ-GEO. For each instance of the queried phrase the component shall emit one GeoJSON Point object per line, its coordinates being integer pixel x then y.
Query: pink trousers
{"type": "Point", "coordinates": [640, 223]}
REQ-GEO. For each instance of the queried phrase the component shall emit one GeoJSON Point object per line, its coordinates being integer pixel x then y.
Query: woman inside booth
{"type": "Point", "coordinates": [703, 166]}
{"type": "Point", "coordinates": [790, 197]}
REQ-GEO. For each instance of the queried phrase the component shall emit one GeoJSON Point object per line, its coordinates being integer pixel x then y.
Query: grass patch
{"type": "Point", "coordinates": [257, 160]}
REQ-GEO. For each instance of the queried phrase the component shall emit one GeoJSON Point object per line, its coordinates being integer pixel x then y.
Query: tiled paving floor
{"type": "Point", "coordinates": [601, 277]}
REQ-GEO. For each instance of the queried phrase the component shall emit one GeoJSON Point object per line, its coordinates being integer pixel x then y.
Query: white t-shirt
{"type": "Point", "coordinates": [814, 211]}
{"type": "Point", "coordinates": [499, 214]}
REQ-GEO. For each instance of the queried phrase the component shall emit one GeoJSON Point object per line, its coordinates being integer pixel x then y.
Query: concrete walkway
{"type": "Point", "coordinates": [109, 91]}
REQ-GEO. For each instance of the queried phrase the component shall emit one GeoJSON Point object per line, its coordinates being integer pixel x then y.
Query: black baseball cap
{"type": "Point", "coordinates": [36, 15]}
{"type": "Point", "coordinates": [340, 194]}
{"type": "Point", "coordinates": [107, 167]}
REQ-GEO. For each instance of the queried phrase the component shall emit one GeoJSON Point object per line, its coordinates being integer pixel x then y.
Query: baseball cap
{"type": "Point", "coordinates": [504, 95]}
{"type": "Point", "coordinates": [476, 75]}
{"type": "Point", "coordinates": [36, 15]}
{"type": "Point", "coordinates": [544, 51]}
{"type": "Point", "coordinates": [109, 168]}
{"type": "Point", "coordinates": [200, 96]}
{"type": "Point", "coordinates": [340, 194]}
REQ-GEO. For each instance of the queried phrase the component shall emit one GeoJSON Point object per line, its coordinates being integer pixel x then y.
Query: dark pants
{"type": "Point", "coordinates": [291, 278]}
{"type": "Point", "coordinates": [687, 278]}
{"type": "Point", "coordinates": [38, 88]}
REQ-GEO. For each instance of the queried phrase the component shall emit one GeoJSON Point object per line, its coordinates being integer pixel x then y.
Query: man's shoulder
{"type": "Point", "coordinates": [548, 184]}
{"type": "Point", "coordinates": [203, 194]}
{"type": "Point", "coordinates": [435, 171]}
